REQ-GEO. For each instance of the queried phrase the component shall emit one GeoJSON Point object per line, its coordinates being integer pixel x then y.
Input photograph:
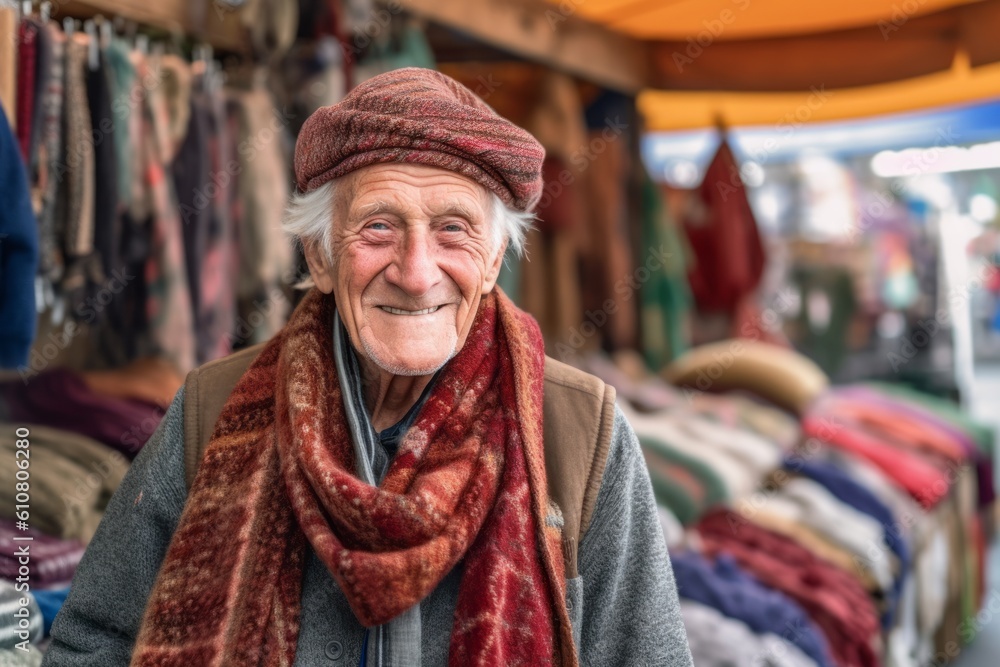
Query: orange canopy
{"type": "Point", "coordinates": [757, 61]}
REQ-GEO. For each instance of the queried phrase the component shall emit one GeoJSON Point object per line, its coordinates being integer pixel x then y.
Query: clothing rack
{"type": "Point", "coordinates": [214, 23]}
{"type": "Point", "coordinates": [550, 34]}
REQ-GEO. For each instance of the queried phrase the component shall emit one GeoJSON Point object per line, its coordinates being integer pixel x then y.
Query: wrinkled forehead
{"type": "Point", "coordinates": [408, 190]}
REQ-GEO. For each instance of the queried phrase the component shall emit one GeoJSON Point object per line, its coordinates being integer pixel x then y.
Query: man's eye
{"type": "Point", "coordinates": [378, 226]}
{"type": "Point", "coordinates": [453, 227]}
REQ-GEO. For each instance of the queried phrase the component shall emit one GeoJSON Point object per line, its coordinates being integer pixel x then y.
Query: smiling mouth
{"type": "Point", "coordinates": [400, 311]}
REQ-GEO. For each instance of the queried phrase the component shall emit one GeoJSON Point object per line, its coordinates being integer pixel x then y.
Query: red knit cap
{"type": "Point", "coordinates": [420, 116]}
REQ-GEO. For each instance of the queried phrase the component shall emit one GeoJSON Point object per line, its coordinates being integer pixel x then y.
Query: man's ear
{"type": "Point", "coordinates": [320, 269]}
{"type": "Point", "coordinates": [493, 272]}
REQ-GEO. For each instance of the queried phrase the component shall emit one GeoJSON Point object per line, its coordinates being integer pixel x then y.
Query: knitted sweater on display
{"type": "Point", "coordinates": [719, 641]}
{"type": "Point", "coordinates": [724, 586]}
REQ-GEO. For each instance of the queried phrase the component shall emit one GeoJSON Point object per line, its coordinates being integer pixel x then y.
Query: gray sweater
{"type": "Point", "coordinates": [624, 604]}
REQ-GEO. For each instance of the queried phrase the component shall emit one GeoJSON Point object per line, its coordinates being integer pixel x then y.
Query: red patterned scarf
{"type": "Point", "coordinates": [467, 483]}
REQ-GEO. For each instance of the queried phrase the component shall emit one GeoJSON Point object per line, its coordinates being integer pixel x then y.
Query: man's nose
{"type": "Point", "coordinates": [415, 270]}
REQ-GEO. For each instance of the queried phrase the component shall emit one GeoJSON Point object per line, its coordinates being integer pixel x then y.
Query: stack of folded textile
{"type": "Point", "coordinates": [72, 480]}
{"type": "Point", "coordinates": [53, 560]}
{"type": "Point", "coordinates": [857, 523]}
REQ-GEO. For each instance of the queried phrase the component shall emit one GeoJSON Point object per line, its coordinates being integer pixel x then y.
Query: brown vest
{"type": "Point", "coordinates": [578, 410]}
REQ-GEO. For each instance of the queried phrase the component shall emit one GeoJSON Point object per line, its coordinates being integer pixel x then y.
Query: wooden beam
{"type": "Point", "coordinates": [785, 112]}
{"type": "Point", "coordinates": [546, 33]}
{"type": "Point", "coordinates": [845, 58]}
{"type": "Point", "coordinates": [892, 50]}
{"type": "Point", "coordinates": [212, 22]}
{"type": "Point", "coordinates": [980, 32]}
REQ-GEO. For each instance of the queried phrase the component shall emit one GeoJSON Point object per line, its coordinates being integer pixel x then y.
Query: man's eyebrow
{"type": "Point", "coordinates": [456, 208]}
{"type": "Point", "coordinates": [373, 208]}
{"type": "Point", "coordinates": [449, 208]}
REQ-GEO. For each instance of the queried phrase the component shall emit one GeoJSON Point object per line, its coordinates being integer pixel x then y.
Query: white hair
{"type": "Point", "coordinates": [309, 219]}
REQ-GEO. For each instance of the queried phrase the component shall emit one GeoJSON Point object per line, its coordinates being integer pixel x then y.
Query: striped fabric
{"type": "Point", "coordinates": [10, 657]}
{"type": "Point", "coordinates": [50, 168]}
{"type": "Point", "coordinates": [53, 560]}
{"type": "Point", "coordinates": [10, 604]}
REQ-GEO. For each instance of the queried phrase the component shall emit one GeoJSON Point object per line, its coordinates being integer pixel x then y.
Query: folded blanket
{"type": "Point", "coordinates": [10, 621]}
{"type": "Point", "coordinates": [12, 657]}
{"type": "Point", "coordinates": [61, 398]}
{"type": "Point", "coordinates": [72, 478]}
{"type": "Point", "coordinates": [53, 559]}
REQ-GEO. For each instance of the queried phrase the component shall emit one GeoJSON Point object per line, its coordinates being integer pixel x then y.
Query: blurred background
{"type": "Point", "coordinates": [774, 226]}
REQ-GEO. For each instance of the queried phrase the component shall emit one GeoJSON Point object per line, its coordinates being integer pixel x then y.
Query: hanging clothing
{"type": "Point", "coordinates": [607, 273]}
{"type": "Point", "coordinates": [666, 296]}
{"type": "Point", "coordinates": [125, 334]}
{"type": "Point", "coordinates": [43, 67]}
{"type": "Point", "coordinates": [168, 300]}
{"type": "Point", "coordinates": [265, 256]}
{"type": "Point", "coordinates": [76, 201]}
{"type": "Point", "coordinates": [728, 254]}
{"type": "Point", "coordinates": [121, 77]}
{"type": "Point", "coordinates": [51, 162]}
{"type": "Point", "coordinates": [389, 51]}
{"type": "Point", "coordinates": [549, 280]}
{"type": "Point", "coordinates": [270, 25]}
{"type": "Point", "coordinates": [216, 313]}
{"type": "Point", "coordinates": [550, 272]}
{"type": "Point", "coordinates": [107, 218]}
{"type": "Point", "coordinates": [18, 254]}
{"type": "Point", "coordinates": [8, 60]}
{"type": "Point", "coordinates": [824, 331]}
{"type": "Point", "coordinates": [27, 42]}
{"type": "Point", "coordinates": [79, 189]}
{"type": "Point", "coordinates": [191, 173]}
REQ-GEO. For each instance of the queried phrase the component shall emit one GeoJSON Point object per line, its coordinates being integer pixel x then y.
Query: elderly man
{"type": "Point", "coordinates": [379, 487]}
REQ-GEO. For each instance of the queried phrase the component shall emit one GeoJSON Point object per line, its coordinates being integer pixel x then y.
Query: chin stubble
{"type": "Point", "coordinates": [399, 370]}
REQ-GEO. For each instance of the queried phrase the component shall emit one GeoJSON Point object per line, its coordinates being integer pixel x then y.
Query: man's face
{"type": "Point", "coordinates": [412, 258]}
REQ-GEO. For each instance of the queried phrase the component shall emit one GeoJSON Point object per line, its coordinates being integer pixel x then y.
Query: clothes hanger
{"type": "Point", "coordinates": [106, 32]}
{"type": "Point", "coordinates": [720, 124]}
{"type": "Point", "coordinates": [93, 47]}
